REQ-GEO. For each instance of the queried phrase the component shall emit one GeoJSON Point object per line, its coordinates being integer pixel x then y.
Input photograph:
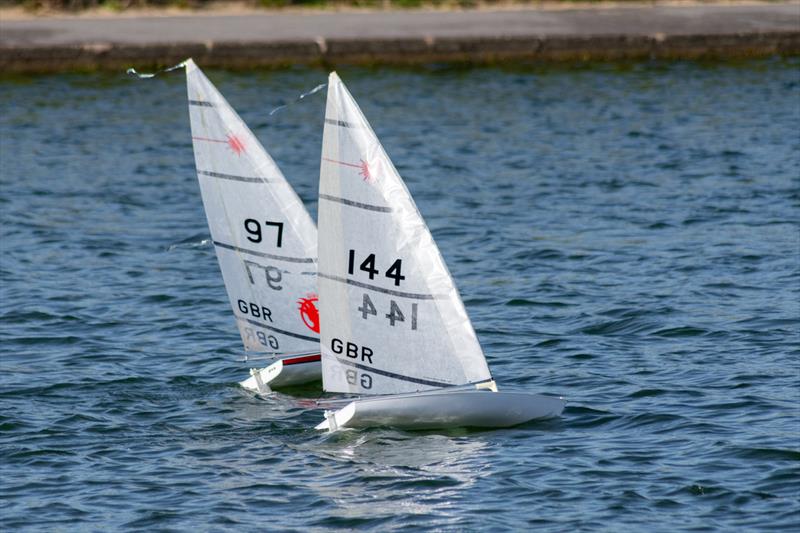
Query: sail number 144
{"type": "Point", "coordinates": [368, 266]}
{"type": "Point", "coordinates": [395, 314]}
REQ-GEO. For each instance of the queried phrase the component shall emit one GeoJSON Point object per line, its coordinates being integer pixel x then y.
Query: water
{"type": "Point", "coordinates": [627, 237]}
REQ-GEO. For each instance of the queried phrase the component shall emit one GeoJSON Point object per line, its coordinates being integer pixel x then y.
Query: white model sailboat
{"type": "Point", "coordinates": [393, 328]}
{"type": "Point", "coordinates": [265, 240]}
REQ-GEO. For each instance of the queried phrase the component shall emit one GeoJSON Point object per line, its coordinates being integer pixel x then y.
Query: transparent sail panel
{"type": "Point", "coordinates": [392, 319]}
{"type": "Point", "coordinates": [265, 240]}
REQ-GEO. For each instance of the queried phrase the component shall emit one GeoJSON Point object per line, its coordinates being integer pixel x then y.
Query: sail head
{"type": "Point", "coordinates": [265, 240]}
{"type": "Point", "coordinates": [392, 319]}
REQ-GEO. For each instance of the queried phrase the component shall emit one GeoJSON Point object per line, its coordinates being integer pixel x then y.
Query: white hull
{"type": "Point", "coordinates": [285, 373]}
{"type": "Point", "coordinates": [442, 410]}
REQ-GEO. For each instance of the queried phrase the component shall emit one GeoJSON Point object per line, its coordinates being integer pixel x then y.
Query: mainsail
{"type": "Point", "coordinates": [392, 319]}
{"type": "Point", "coordinates": [266, 242]}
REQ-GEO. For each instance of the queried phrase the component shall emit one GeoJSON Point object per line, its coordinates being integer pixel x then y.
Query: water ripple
{"type": "Point", "coordinates": [630, 241]}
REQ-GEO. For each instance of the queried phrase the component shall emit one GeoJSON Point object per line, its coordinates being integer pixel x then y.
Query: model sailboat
{"type": "Point", "coordinates": [265, 240]}
{"type": "Point", "coordinates": [393, 328]}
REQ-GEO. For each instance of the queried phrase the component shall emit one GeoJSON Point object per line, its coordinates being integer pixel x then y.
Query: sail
{"type": "Point", "coordinates": [265, 241]}
{"type": "Point", "coordinates": [392, 319]}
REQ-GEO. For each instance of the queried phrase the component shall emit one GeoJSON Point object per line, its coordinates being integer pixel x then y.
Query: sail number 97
{"type": "Point", "coordinates": [272, 274]}
{"type": "Point", "coordinates": [368, 266]}
{"type": "Point", "coordinates": [256, 234]}
{"type": "Point", "coordinates": [395, 314]}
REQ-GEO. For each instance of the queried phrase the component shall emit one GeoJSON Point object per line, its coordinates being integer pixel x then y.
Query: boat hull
{"type": "Point", "coordinates": [442, 410]}
{"type": "Point", "coordinates": [286, 372]}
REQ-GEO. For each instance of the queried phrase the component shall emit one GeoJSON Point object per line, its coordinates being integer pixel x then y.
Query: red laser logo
{"type": "Point", "coordinates": [362, 166]}
{"type": "Point", "coordinates": [309, 312]}
{"type": "Point", "coordinates": [233, 142]}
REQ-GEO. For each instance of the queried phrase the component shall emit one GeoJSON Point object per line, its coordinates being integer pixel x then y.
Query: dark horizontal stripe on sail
{"type": "Point", "coordinates": [392, 375]}
{"type": "Point", "coordinates": [201, 103]}
{"type": "Point", "coordinates": [341, 123]}
{"type": "Point", "coordinates": [276, 330]}
{"type": "Point", "coordinates": [344, 201]}
{"type": "Point", "coordinates": [412, 295]}
{"type": "Point", "coordinates": [262, 254]}
{"type": "Point", "coordinates": [233, 177]}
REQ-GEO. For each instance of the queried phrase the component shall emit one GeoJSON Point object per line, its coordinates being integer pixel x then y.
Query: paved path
{"type": "Point", "coordinates": [271, 38]}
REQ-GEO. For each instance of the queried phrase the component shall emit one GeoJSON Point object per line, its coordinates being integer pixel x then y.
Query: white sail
{"type": "Point", "coordinates": [392, 319]}
{"type": "Point", "coordinates": [266, 242]}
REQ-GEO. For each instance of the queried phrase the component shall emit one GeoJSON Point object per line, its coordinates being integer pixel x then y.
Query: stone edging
{"type": "Point", "coordinates": [402, 51]}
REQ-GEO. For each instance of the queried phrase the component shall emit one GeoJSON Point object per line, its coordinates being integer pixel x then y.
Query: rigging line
{"type": "Point", "coordinates": [307, 93]}
{"type": "Point", "coordinates": [147, 75]}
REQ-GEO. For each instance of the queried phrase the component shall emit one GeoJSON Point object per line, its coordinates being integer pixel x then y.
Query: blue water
{"type": "Point", "coordinates": [626, 236]}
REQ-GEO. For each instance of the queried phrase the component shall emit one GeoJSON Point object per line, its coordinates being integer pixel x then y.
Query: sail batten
{"type": "Point", "coordinates": [411, 295]}
{"type": "Point", "coordinates": [246, 179]}
{"type": "Point", "coordinates": [266, 255]}
{"type": "Point", "coordinates": [345, 201]}
{"type": "Point", "coordinates": [392, 320]}
{"type": "Point", "coordinates": [265, 241]}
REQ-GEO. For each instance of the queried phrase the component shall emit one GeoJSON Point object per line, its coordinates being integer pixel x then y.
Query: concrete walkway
{"type": "Point", "coordinates": [279, 38]}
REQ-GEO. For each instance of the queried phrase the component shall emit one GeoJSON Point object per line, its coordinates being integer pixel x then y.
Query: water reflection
{"type": "Point", "coordinates": [407, 473]}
